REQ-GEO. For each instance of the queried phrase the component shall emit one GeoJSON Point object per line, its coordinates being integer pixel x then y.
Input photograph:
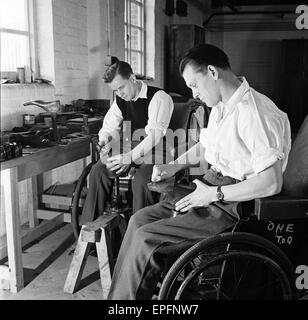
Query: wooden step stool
{"type": "Point", "coordinates": [97, 232]}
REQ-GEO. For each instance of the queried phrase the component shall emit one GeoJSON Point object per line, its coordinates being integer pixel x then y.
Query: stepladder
{"type": "Point", "coordinates": [97, 232]}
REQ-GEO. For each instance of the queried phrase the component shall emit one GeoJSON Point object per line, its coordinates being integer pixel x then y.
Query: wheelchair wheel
{"type": "Point", "coordinates": [76, 207]}
{"type": "Point", "coordinates": [202, 272]}
{"type": "Point", "coordinates": [205, 282]}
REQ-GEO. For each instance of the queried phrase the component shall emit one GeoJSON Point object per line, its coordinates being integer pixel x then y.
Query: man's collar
{"type": "Point", "coordinates": [143, 91]}
{"type": "Point", "coordinates": [237, 95]}
{"type": "Point", "coordinates": [234, 99]}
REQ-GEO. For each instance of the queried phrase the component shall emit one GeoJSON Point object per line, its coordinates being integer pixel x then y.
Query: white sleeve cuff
{"type": "Point", "coordinates": [267, 159]}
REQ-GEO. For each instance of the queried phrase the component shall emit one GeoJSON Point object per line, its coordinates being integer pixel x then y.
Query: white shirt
{"type": "Point", "coordinates": [159, 114]}
{"type": "Point", "coordinates": [246, 135]}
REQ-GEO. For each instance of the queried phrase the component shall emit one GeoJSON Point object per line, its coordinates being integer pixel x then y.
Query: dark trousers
{"type": "Point", "coordinates": [154, 238]}
{"type": "Point", "coordinates": [100, 189]}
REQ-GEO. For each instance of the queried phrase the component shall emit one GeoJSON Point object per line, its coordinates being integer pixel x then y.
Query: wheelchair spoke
{"type": "Point", "coordinates": [221, 292]}
{"type": "Point", "coordinates": [251, 291]}
{"type": "Point", "coordinates": [209, 279]}
{"type": "Point", "coordinates": [241, 277]}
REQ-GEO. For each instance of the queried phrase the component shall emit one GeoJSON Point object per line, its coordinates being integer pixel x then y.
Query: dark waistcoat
{"type": "Point", "coordinates": [136, 111]}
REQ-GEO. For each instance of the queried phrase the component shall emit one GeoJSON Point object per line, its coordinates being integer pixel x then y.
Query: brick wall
{"type": "Point", "coordinates": [70, 49]}
{"type": "Point", "coordinates": [14, 95]}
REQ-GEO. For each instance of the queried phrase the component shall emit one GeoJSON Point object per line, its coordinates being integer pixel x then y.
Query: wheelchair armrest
{"type": "Point", "coordinates": [281, 207]}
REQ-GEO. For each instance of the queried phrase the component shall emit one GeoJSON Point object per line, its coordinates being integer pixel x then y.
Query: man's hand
{"type": "Point", "coordinates": [201, 197]}
{"type": "Point", "coordinates": [119, 163]}
{"type": "Point", "coordinates": [163, 172]}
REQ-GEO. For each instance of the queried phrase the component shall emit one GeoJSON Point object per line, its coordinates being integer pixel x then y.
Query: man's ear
{"type": "Point", "coordinates": [133, 77]}
{"type": "Point", "coordinates": [213, 72]}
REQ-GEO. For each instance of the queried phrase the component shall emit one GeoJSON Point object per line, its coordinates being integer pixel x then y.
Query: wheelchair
{"type": "Point", "coordinates": [258, 258]}
{"type": "Point", "coordinates": [120, 201]}
{"type": "Point", "coordinates": [191, 114]}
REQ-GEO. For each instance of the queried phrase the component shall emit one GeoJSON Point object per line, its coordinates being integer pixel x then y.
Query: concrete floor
{"type": "Point", "coordinates": [46, 264]}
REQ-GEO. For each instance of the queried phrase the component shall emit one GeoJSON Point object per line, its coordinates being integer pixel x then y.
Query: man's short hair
{"type": "Point", "coordinates": [203, 55]}
{"type": "Point", "coordinates": [119, 67]}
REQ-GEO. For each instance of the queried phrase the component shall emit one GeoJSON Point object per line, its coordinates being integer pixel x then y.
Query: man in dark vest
{"type": "Point", "coordinates": [147, 110]}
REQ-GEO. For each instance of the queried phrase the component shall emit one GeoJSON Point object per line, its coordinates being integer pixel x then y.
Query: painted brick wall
{"type": "Point", "coordinates": [14, 95]}
{"type": "Point", "coordinates": [70, 49]}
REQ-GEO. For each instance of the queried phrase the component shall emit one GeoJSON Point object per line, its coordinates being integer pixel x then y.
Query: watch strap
{"type": "Point", "coordinates": [220, 195]}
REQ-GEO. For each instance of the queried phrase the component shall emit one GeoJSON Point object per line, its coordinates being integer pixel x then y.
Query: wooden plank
{"type": "Point", "coordinates": [30, 235]}
{"type": "Point", "coordinates": [104, 261]}
{"type": "Point", "coordinates": [48, 215]}
{"type": "Point", "coordinates": [12, 220]}
{"type": "Point", "coordinates": [60, 200]}
{"type": "Point", "coordinates": [77, 266]}
{"type": "Point", "coordinates": [91, 236]}
{"type": "Point", "coordinates": [53, 199]}
{"type": "Point", "coordinates": [103, 221]}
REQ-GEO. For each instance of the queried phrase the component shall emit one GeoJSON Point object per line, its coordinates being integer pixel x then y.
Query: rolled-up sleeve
{"type": "Point", "coordinates": [267, 139]}
{"type": "Point", "coordinates": [111, 123]}
{"type": "Point", "coordinates": [159, 112]}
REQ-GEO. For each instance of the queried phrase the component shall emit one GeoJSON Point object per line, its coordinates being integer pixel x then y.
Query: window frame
{"type": "Point", "coordinates": [31, 47]}
{"type": "Point", "coordinates": [128, 26]}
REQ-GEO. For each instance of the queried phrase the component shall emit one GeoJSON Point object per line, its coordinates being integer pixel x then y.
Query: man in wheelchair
{"type": "Point", "coordinates": [145, 108]}
{"type": "Point", "coordinates": [246, 143]}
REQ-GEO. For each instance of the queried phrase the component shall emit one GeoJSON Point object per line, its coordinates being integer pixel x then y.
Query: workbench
{"type": "Point", "coordinates": [30, 167]}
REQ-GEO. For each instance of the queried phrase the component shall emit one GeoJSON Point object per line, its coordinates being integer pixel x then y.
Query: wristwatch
{"type": "Point", "coordinates": [219, 194]}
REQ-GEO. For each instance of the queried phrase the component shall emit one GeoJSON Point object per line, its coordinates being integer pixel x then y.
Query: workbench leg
{"type": "Point", "coordinates": [34, 185]}
{"type": "Point", "coordinates": [12, 220]}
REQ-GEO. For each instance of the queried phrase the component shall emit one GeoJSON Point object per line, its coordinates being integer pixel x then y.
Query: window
{"type": "Point", "coordinates": [17, 46]}
{"type": "Point", "coordinates": [134, 35]}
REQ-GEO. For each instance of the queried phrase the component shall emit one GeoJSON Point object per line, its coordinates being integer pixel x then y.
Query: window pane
{"type": "Point", "coordinates": [136, 62]}
{"type": "Point", "coordinates": [126, 37]}
{"type": "Point", "coordinates": [13, 51]}
{"type": "Point", "coordinates": [13, 14]}
{"type": "Point", "coordinates": [136, 39]}
{"type": "Point", "coordinates": [136, 15]}
{"type": "Point", "coordinates": [125, 12]}
{"type": "Point", "coordinates": [133, 34]}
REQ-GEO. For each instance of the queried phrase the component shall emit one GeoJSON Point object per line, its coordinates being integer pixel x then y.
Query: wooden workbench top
{"type": "Point", "coordinates": [44, 159]}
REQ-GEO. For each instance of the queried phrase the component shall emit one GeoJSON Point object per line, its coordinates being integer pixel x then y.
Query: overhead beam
{"type": "Point", "coordinates": [201, 5]}
{"type": "Point", "coordinates": [205, 5]}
